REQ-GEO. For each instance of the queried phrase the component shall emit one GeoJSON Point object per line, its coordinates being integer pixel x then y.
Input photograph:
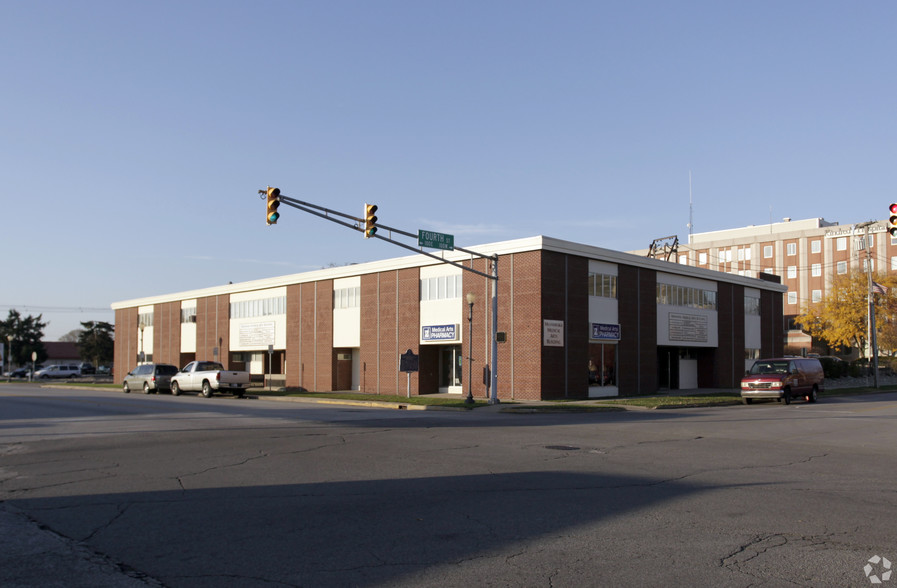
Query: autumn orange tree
{"type": "Point", "coordinates": [839, 318]}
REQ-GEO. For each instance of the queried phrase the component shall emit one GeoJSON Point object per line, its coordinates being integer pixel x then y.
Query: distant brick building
{"type": "Point", "coordinates": [578, 321]}
{"type": "Point", "coordinates": [806, 254]}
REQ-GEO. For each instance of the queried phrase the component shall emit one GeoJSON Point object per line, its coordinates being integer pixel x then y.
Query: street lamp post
{"type": "Point", "coordinates": [471, 297]}
{"type": "Point", "coordinates": [140, 356]}
{"type": "Point", "coordinates": [8, 358]}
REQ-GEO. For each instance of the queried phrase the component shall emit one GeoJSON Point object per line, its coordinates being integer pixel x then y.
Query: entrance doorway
{"type": "Point", "coordinates": [450, 364]}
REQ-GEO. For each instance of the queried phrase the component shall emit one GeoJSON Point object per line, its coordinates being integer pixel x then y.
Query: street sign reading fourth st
{"type": "Point", "coordinates": [435, 240]}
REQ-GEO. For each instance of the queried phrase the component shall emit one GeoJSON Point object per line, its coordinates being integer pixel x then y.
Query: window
{"type": "Point", "coordinates": [868, 263]}
{"type": "Point", "coordinates": [702, 258]}
{"type": "Point", "coordinates": [145, 319]}
{"type": "Point", "coordinates": [816, 246]}
{"type": "Point", "coordinates": [841, 267]}
{"type": "Point", "coordinates": [751, 305]}
{"type": "Point", "coordinates": [816, 270]}
{"type": "Point", "coordinates": [791, 249]}
{"type": "Point", "coordinates": [683, 296]}
{"type": "Point", "coordinates": [260, 307]}
{"type": "Point", "coordinates": [683, 260]}
{"type": "Point", "coordinates": [441, 287]}
{"type": "Point", "coordinates": [347, 297]}
{"type": "Point", "coordinates": [894, 263]}
{"type": "Point", "coordinates": [841, 243]}
{"type": "Point", "coordinates": [792, 297]}
{"type": "Point", "coordinates": [603, 285]}
{"type": "Point", "coordinates": [817, 295]}
{"type": "Point", "coordinates": [792, 271]}
{"type": "Point", "coordinates": [767, 251]}
{"type": "Point", "coordinates": [188, 315]}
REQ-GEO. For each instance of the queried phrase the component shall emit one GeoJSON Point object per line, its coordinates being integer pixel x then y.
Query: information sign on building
{"type": "Point", "coordinates": [552, 333]}
{"type": "Point", "coordinates": [439, 333]}
{"type": "Point", "coordinates": [605, 332]}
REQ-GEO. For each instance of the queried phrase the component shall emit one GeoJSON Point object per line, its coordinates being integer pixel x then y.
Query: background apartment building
{"type": "Point", "coordinates": [806, 254]}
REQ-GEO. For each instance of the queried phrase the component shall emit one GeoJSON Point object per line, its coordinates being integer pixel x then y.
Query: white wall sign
{"type": "Point", "coordinates": [691, 328]}
{"type": "Point", "coordinates": [257, 334]}
{"type": "Point", "coordinates": [552, 333]}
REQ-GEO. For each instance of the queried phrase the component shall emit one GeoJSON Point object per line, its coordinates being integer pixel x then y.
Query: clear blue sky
{"type": "Point", "coordinates": [136, 135]}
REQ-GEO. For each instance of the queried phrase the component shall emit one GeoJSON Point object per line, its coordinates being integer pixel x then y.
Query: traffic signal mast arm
{"type": "Point", "coordinates": [360, 224]}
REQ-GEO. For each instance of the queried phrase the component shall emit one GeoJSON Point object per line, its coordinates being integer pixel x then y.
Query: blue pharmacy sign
{"type": "Point", "coordinates": [439, 333]}
{"type": "Point", "coordinates": [605, 332]}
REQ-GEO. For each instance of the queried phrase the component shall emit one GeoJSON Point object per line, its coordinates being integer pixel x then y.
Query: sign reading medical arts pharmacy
{"type": "Point", "coordinates": [605, 332]}
{"type": "Point", "coordinates": [439, 333]}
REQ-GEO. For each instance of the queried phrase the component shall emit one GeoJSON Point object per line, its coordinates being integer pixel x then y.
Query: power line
{"type": "Point", "coordinates": [38, 308]}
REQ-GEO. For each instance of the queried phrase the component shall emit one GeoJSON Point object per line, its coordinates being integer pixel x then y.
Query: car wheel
{"type": "Point", "coordinates": [207, 389]}
{"type": "Point", "coordinates": [239, 393]}
{"type": "Point", "coordinates": [125, 388]}
{"type": "Point", "coordinates": [175, 389]}
{"type": "Point", "coordinates": [814, 395]}
{"type": "Point", "coordinates": [146, 388]}
{"type": "Point", "coordinates": [747, 400]}
{"type": "Point", "coordinates": [786, 396]}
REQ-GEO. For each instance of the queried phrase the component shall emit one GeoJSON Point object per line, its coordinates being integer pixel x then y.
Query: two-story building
{"type": "Point", "coordinates": [573, 321]}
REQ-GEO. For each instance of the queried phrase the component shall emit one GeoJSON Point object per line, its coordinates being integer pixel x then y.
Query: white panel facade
{"type": "Point", "coordinates": [443, 307]}
{"type": "Point", "coordinates": [259, 322]}
{"type": "Point", "coordinates": [347, 312]}
{"type": "Point", "coordinates": [188, 329]}
{"type": "Point", "coordinates": [684, 325]}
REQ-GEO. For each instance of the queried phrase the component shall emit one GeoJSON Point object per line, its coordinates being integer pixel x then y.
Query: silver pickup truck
{"type": "Point", "coordinates": [208, 377]}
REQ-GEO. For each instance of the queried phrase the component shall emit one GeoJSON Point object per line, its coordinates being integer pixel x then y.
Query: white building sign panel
{"type": "Point", "coordinates": [257, 334]}
{"type": "Point", "coordinates": [690, 328]}
{"type": "Point", "coordinates": [552, 333]}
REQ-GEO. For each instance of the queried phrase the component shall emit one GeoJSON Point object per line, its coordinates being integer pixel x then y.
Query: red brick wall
{"type": "Point", "coordinates": [324, 335]}
{"type": "Point", "coordinates": [565, 298]}
{"type": "Point", "coordinates": [125, 348]}
{"type": "Point", "coordinates": [167, 333]}
{"type": "Point", "coordinates": [409, 325]}
{"type": "Point", "coordinates": [637, 300]}
{"type": "Point", "coordinates": [212, 328]}
{"type": "Point", "coordinates": [729, 360]}
{"type": "Point", "coordinates": [293, 367]}
{"type": "Point", "coordinates": [370, 332]}
{"type": "Point", "coordinates": [523, 350]}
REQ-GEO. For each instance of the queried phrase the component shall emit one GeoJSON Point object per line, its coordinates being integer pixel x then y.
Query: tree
{"type": "Point", "coordinates": [96, 343]}
{"type": "Point", "coordinates": [71, 336]}
{"type": "Point", "coordinates": [840, 318]}
{"type": "Point", "coordinates": [27, 334]}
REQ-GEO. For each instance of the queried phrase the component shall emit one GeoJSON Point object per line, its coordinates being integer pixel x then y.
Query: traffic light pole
{"type": "Point", "coordinates": [359, 224]}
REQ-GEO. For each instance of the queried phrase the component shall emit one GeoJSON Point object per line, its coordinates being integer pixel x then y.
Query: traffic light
{"type": "Point", "coordinates": [273, 203]}
{"type": "Point", "coordinates": [370, 221]}
{"type": "Point", "coordinates": [892, 220]}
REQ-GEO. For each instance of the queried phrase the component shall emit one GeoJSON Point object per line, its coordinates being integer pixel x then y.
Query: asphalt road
{"type": "Point", "coordinates": [104, 489]}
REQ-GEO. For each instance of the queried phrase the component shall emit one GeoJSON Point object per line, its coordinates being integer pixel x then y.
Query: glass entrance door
{"type": "Point", "coordinates": [450, 362]}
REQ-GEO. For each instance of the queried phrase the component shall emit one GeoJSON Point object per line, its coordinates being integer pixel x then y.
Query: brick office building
{"type": "Point", "coordinates": [806, 254]}
{"type": "Point", "coordinates": [576, 321]}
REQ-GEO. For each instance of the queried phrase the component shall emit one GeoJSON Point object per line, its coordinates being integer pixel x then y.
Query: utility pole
{"type": "Point", "coordinates": [870, 298]}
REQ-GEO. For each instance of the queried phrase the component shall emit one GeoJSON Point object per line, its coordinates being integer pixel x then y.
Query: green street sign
{"type": "Point", "coordinates": [435, 240]}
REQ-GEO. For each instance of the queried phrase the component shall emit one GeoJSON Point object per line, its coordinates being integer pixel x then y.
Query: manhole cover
{"type": "Point", "coordinates": [562, 447]}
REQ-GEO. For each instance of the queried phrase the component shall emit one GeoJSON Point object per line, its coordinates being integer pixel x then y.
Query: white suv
{"type": "Point", "coordinates": [58, 371]}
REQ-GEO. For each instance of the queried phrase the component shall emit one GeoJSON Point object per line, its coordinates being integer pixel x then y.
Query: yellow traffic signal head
{"type": "Point", "coordinates": [370, 220]}
{"type": "Point", "coordinates": [273, 202]}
